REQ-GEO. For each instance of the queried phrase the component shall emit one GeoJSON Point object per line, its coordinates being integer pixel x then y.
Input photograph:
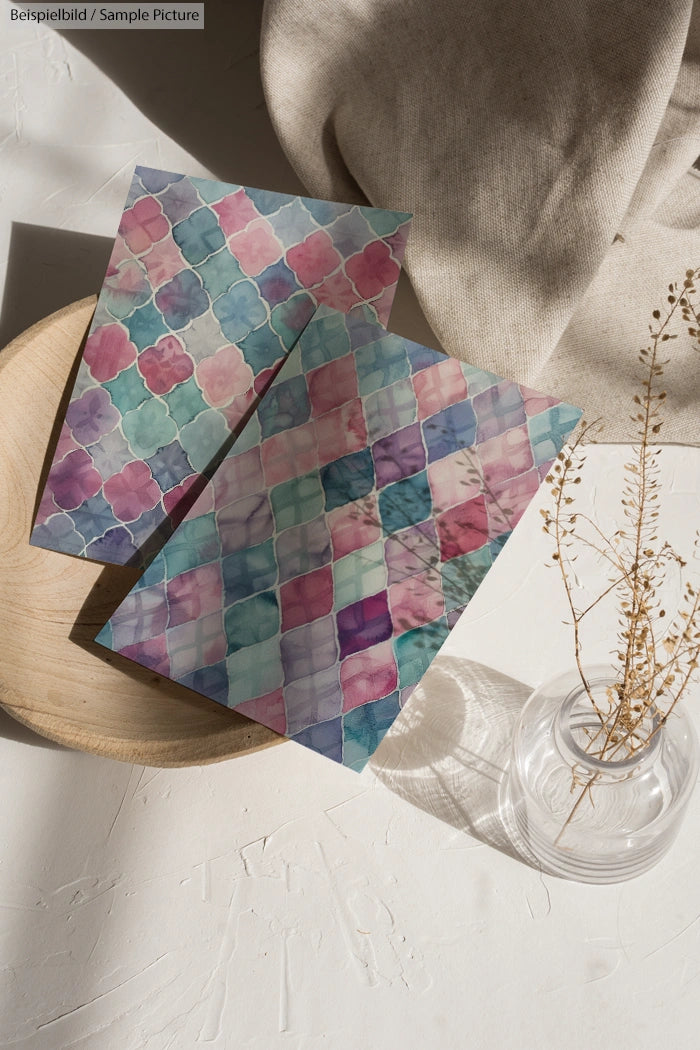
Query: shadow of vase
{"type": "Point", "coordinates": [448, 750]}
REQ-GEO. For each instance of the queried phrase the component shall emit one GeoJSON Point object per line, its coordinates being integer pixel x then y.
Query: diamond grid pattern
{"type": "Point", "coordinates": [207, 289]}
{"type": "Point", "coordinates": [334, 576]}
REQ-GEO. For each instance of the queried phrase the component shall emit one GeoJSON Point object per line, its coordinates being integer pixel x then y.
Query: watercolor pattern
{"type": "Point", "coordinates": [320, 571]}
{"type": "Point", "coordinates": [208, 287]}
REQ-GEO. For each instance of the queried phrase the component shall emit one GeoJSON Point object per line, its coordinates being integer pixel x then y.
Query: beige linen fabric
{"type": "Point", "coordinates": [544, 147]}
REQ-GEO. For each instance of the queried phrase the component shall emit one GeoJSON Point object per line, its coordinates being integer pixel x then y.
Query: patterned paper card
{"type": "Point", "coordinates": [208, 287]}
{"type": "Point", "coordinates": [320, 571]}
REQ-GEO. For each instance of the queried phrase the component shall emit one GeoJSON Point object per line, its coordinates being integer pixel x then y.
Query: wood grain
{"type": "Point", "coordinates": [53, 677]}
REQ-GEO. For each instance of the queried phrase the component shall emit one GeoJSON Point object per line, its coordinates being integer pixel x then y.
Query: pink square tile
{"type": "Point", "coordinates": [268, 710]}
{"type": "Point", "coordinates": [306, 597]}
{"type": "Point", "coordinates": [236, 413]}
{"type": "Point", "coordinates": [151, 653]}
{"type": "Point", "coordinates": [108, 351]}
{"type": "Point", "coordinates": [341, 432]}
{"type": "Point", "coordinates": [256, 247]}
{"type": "Point", "coordinates": [535, 402]}
{"type": "Point", "coordinates": [143, 225]}
{"type": "Point", "coordinates": [196, 643]}
{"type": "Point", "coordinates": [332, 384]}
{"type": "Point", "coordinates": [180, 499]}
{"type": "Point", "coordinates": [416, 600]}
{"type": "Point", "coordinates": [463, 529]}
{"type": "Point", "coordinates": [132, 491]}
{"type": "Point", "coordinates": [289, 454]}
{"type": "Point", "coordinates": [454, 479]}
{"type": "Point", "coordinates": [506, 501]}
{"type": "Point", "coordinates": [242, 476]}
{"type": "Point", "coordinates": [338, 293]}
{"type": "Point", "coordinates": [437, 387]}
{"type": "Point", "coordinates": [411, 551]}
{"type": "Point", "coordinates": [235, 212]}
{"type": "Point", "coordinates": [506, 455]}
{"type": "Point", "coordinates": [372, 270]}
{"type": "Point", "coordinates": [165, 365]}
{"type": "Point", "coordinates": [314, 259]}
{"type": "Point", "coordinates": [368, 675]}
{"type": "Point", "coordinates": [224, 376]}
{"type": "Point", "coordinates": [354, 526]}
{"type": "Point", "coordinates": [193, 594]}
{"type": "Point", "coordinates": [162, 262]}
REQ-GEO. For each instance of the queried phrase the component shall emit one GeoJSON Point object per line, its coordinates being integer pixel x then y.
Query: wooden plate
{"type": "Point", "coordinates": [53, 677]}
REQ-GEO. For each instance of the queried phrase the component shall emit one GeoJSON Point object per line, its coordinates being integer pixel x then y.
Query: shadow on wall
{"type": "Point", "coordinates": [202, 88]}
{"type": "Point", "coordinates": [57, 265]}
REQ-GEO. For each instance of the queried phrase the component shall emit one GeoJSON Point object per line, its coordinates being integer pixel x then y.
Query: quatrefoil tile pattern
{"type": "Point", "coordinates": [320, 571]}
{"type": "Point", "coordinates": [208, 287]}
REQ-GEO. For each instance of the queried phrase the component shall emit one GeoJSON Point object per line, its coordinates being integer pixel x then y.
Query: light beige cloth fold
{"type": "Point", "coordinates": [544, 147]}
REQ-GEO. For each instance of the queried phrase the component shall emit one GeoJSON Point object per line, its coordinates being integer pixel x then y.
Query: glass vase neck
{"type": "Point", "coordinates": [577, 721]}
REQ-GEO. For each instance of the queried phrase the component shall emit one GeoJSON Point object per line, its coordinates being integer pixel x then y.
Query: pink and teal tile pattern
{"type": "Point", "coordinates": [208, 287]}
{"type": "Point", "coordinates": [319, 572]}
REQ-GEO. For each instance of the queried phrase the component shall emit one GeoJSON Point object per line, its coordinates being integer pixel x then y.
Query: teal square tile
{"type": "Point", "coordinates": [195, 542]}
{"type": "Point", "coordinates": [255, 670]}
{"type": "Point", "coordinates": [416, 649]}
{"type": "Point", "coordinates": [297, 500]}
{"type": "Point", "coordinates": [128, 389]}
{"type": "Point", "coordinates": [359, 574]}
{"type": "Point", "coordinates": [252, 621]}
{"type": "Point", "coordinates": [219, 272]}
{"type": "Point", "coordinates": [199, 235]}
{"type": "Point", "coordinates": [381, 363]}
{"type": "Point", "coordinates": [185, 402]}
{"type": "Point", "coordinates": [462, 575]}
{"type": "Point", "coordinates": [146, 325]}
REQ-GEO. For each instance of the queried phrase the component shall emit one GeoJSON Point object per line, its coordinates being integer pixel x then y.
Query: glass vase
{"type": "Point", "coordinates": [587, 818]}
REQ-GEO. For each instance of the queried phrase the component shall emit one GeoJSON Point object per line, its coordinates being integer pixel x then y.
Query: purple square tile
{"type": "Point", "coordinates": [309, 649]}
{"type": "Point", "coordinates": [303, 548]}
{"type": "Point", "coordinates": [411, 551]}
{"type": "Point", "coordinates": [398, 455]}
{"type": "Point", "coordinates": [364, 623]}
{"type": "Point", "coordinates": [326, 738]}
{"type": "Point", "coordinates": [315, 698]}
{"type": "Point", "coordinates": [245, 523]}
{"type": "Point", "coordinates": [497, 409]}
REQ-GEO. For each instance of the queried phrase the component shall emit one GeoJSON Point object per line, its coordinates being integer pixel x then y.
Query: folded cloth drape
{"type": "Point", "coordinates": [545, 148]}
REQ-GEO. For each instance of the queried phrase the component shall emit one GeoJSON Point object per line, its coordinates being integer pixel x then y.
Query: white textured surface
{"type": "Point", "coordinates": [278, 900]}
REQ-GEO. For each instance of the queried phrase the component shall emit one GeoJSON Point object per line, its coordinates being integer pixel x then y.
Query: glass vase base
{"type": "Point", "coordinates": [582, 817]}
{"type": "Point", "coordinates": [562, 863]}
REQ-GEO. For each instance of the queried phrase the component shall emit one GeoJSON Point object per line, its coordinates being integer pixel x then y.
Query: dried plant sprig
{"type": "Point", "coordinates": [656, 657]}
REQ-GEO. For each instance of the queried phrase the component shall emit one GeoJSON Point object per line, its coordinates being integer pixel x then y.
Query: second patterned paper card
{"type": "Point", "coordinates": [319, 572]}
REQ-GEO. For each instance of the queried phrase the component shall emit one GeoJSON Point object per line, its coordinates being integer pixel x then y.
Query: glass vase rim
{"type": "Point", "coordinates": [596, 675]}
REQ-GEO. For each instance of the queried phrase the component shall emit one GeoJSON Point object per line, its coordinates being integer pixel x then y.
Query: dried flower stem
{"type": "Point", "coordinates": [655, 667]}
